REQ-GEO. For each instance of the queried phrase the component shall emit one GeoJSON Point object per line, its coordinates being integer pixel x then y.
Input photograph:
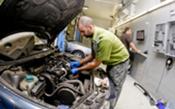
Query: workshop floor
{"type": "Point", "coordinates": [132, 98]}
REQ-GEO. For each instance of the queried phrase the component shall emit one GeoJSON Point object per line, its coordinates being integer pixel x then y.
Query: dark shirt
{"type": "Point", "coordinates": [126, 40]}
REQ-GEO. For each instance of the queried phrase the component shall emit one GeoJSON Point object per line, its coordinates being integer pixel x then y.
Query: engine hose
{"type": "Point", "coordinates": [80, 83]}
{"type": "Point", "coordinates": [63, 85]}
{"type": "Point", "coordinates": [70, 86]}
{"type": "Point", "coordinates": [65, 73]}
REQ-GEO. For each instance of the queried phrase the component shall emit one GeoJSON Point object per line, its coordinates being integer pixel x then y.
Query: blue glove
{"type": "Point", "coordinates": [74, 64]}
{"type": "Point", "coordinates": [74, 71]}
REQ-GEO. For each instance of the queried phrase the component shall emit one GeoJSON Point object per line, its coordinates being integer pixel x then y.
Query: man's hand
{"type": "Point", "coordinates": [74, 71]}
{"type": "Point", "coordinates": [74, 64]}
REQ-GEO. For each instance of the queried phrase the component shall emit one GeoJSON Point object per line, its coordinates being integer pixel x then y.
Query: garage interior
{"type": "Point", "coordinates": [35, 68]}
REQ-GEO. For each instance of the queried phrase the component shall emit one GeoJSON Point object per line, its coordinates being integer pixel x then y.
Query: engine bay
{"type": "Point", "coordinates": [44, 74]}
{"type": "Point", "coordinates": [47, 79]}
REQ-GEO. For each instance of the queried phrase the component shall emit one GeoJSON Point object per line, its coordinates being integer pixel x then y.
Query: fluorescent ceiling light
{"type": "Point", "coordinates": [85, 7]}
{"type": "Point", "coordinates": [106, 1]}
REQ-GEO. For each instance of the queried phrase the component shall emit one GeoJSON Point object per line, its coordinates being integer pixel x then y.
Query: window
{"type": "Point", "coordinates": [140, 35]}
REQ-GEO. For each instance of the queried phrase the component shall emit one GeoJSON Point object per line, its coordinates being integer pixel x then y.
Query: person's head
{"type": "Point", "coordinates": [86, 26]}
{"type": "Point", "coordinates": [127, 30]}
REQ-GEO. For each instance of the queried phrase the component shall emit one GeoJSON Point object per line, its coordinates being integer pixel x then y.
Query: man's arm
{"type": "Point", "coordinates": [86, 59]}
{"type": "Point", "coordinates": [134, 48]}
{"type": "Point", "coordinates": [91, 65]}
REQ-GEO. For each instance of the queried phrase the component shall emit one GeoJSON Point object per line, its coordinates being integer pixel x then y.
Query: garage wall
{"type": "Point", "coordinates": [143, 5]}
{"type": "Point", "coordinates": [152, 72]}
{"type": "Point", "coordinates": [104, 23]}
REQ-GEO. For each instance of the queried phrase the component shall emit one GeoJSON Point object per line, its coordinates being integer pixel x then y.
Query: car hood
{"type": "Point", "coordinates": [47, 18]}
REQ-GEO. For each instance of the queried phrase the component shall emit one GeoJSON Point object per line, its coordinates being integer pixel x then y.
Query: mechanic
{"type": "Point", "coordinates": [106, 49]}
{"type": "Point", "coordinates": [126, 38]}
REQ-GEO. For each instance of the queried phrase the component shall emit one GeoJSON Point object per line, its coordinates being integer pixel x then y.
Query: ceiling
{"type": "Point", "coordinates": [102, 9]}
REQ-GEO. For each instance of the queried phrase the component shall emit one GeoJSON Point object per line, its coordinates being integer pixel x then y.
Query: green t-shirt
{"type": "Point", "coordinates": [108, 48]}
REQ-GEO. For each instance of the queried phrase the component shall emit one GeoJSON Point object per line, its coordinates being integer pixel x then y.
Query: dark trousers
{"type": "Point", "coordinates": [117, 75]}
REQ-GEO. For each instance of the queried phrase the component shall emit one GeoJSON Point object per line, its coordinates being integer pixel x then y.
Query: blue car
{"type": "Point", "coordinates": [33, 74]}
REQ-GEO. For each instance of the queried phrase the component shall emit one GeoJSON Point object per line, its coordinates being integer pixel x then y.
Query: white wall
{"type": "Point", "coordinates": [136, 8]}
{"type": "Point", "coordinates": [104, 23]}
{"type": "Point", "coordinates": [143, 5]}
{"type": "Point", "coordinates": [152, 72]}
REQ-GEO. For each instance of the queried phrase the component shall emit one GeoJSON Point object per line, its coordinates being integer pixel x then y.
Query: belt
{"type": "Point", "coordinates": [111, 66]}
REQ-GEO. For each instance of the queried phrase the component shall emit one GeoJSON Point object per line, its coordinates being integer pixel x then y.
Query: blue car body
{"type": "Point", "coordinates": [13, 100]}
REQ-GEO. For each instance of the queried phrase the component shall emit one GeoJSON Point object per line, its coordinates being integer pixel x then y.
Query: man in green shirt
{"type": "Point", "coordinates": [106, 49]}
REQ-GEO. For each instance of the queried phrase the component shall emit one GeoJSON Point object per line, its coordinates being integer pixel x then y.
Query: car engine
{"type": "Point", "coordinates": [49, 80]}
{"type": "Point", "coordinates": [43, 73]}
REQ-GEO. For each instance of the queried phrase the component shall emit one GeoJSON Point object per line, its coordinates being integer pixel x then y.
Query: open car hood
{"type": "Point", "coordinates": [45, 17]}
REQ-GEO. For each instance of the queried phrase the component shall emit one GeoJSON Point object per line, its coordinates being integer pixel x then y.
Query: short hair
{"type": "Point", "coordinates": [126, 29]}
{"type": "Point", "coordinates": [85, 20]}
